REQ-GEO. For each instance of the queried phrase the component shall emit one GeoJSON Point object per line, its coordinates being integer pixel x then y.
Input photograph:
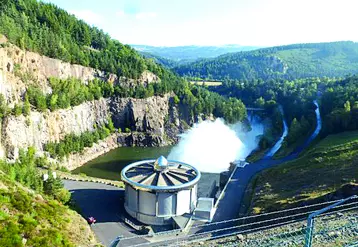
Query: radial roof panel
{"type": "Point", "coordinates": [160, 174]}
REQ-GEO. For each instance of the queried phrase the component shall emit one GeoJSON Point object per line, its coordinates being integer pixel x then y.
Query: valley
{"type": "Point", "coordinates": [265, 130]}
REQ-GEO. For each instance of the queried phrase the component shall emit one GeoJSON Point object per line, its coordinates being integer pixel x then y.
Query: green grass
{"type": "Point", "coordinates": [26, 217]}
{"type": "Point", "coordinates": [323, 168]}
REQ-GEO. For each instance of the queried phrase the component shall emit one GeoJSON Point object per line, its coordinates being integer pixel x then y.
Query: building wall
{"type": "Point", "coordinates": [158, 208]}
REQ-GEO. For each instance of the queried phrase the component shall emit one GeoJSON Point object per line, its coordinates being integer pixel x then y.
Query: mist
{"type": "Point", "coordinates": [210, 146]}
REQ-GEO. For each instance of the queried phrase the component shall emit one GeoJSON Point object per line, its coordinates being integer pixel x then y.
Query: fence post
{"type": "Point", "coordinates": [309, 231]}
{"type": "Point", "coordinates": [310, 220]}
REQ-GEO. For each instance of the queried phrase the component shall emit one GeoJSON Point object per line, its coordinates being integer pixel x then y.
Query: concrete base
{"type": "Point", "coordinates": [205, 209]}
{"type": "Point", "coordinates": [150, 219]}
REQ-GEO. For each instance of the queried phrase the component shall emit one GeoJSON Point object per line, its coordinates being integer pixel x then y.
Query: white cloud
{"type": "Point", "coordinates": [120, 13]}
{"type": "Point", "coordinates": [138, 16]}
{"type": "Point", "coordinates": [88, 16]}
{"type": "Point", "coordinates": [145, 15]}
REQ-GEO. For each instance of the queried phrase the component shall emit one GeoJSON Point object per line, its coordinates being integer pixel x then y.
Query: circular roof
{"type": "Point", "coordinates": [160, 174]}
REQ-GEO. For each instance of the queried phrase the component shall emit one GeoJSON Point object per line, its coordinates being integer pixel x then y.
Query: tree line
{"type": "Point", "coordinates": [282, 62]}
{"type": "Point", "coordinates": [338, 100]}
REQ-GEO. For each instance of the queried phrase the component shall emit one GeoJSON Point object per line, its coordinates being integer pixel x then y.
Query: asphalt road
{"type": "Point", "coordinates": [229, 205]}
{"type": "Point", "coordinates": [105, 204]}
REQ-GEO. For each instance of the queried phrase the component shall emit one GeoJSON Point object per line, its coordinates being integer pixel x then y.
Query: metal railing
{"type": "Point", "coordinates": [255, 225]}
{"type": "Point", "coordinates": [311, 218]}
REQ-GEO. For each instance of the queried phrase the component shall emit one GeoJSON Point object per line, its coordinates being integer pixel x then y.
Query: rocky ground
{"type": "Point", "coordinates": [337, 229]}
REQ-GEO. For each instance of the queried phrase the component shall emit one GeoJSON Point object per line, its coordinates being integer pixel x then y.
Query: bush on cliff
{"type": "Point", "coordinates": [76, 143]}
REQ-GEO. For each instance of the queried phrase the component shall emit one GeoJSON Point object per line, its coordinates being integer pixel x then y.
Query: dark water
{"type": "Point", "coordinates": [110, 165]}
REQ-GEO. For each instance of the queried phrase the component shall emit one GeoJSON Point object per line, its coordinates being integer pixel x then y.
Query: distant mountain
{"type": "Point", "coordinates": [184, 54]}
{"type": "Point", "coordinates": [161, 60]}
{"type": "Point", "coordinates": [288, 62]}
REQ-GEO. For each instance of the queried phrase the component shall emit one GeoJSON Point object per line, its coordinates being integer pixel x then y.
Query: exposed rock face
{"type": "Point", "coordinates": [153, 121]}
{"type": "Point", "coordinates": [40, 128]}
{"type": "Point", "coordinates": [277, 64]}
{"type": "Point", "coordinates": [37, 68]}
{"type": "Point", "coordinates": [142, 115]}
{"type": "Point", "coordinates": [102, 147]}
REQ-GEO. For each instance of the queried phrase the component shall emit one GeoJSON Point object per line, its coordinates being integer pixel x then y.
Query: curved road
{"type": "Point", "coordinates": [228, 206]}
{"type": "Point", "coordinates": [105, 202]}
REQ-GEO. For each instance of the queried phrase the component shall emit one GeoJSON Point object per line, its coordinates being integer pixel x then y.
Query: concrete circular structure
{"type": "Point", "coordinates": [158, 190]}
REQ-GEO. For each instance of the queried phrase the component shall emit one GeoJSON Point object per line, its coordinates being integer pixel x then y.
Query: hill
{"type": "Point", "coordinates": [185, 54]}
{"type": "Point", "coordinates": [168, 63]}
{"type": "Point", "coordinates": [334, 59]}
{"type": "Point", "coordinates": [326, 171]}
{"type": "Point", "coordinates": [27, 219]}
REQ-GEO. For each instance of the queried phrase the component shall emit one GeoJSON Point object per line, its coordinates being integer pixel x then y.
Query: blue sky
{"type": "Point", "coordinates": [219, 22]}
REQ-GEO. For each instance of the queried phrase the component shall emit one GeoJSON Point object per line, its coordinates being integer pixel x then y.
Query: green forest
{"type": "Point", "coordinates": [338, 103]}
{"type": "Point", "coordinates": [51, 31]}
{"type": "Point", "coordinates": [290, 62]}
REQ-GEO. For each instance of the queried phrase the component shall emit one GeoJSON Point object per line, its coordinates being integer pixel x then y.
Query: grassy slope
{"type": "Point", "coordinates": [322, 169]}
{"type": "Point", "coordinates": [28, 218]}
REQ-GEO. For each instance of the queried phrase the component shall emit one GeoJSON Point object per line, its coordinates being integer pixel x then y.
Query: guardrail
{"type": "Point", "coordinates": [254, 224]}
{"type": "Point", "coordinates": [223, 190]}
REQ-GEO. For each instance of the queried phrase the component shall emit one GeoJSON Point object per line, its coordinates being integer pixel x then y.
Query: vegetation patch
{"type": "Point", "coordinates": [325, 168]}
{"type": "Point", "coordinates": [76, 143]}
{"type": "Point", "coordinates": [27, 219]}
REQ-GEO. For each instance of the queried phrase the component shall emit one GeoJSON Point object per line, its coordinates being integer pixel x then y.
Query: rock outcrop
{"type": "Point", "coordinates": [102, 147]}
{"type": "Point", "coordinates": [18, 67]}
{"type": "Point", "coordinates": [154, 121]}
{"type": "Point", "coordinates": [39, 128]}
{"type": "Point", "coordinates": [143, 115]}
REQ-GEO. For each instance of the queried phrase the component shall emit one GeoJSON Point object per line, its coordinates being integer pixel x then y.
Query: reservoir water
{"type": "Point", "coordinates": [110, 165]}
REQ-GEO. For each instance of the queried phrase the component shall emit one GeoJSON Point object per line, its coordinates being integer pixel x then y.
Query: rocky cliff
{"type": "Point", "coordinates": [18, 68]}
{"type": "Point", "coordinates": [153, 121]}
{"type": "Point", "coordinates": [39, 128]}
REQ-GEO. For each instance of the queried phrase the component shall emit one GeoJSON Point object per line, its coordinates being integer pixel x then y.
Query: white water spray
{"type": "Point", "coordinates": [210, 146]}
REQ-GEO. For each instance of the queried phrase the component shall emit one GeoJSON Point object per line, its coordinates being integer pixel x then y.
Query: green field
{"type": "Point", "coordinates": [331, 166]}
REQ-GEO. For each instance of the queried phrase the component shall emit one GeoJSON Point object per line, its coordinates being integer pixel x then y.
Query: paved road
{"type": "Point", "coordinates": [105, 203]}
{"type": "Point", "coordinates": [228, 207]}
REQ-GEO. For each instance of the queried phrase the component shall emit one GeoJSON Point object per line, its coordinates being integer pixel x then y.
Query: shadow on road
{"type": "Point", "coordinates": [104, 205]}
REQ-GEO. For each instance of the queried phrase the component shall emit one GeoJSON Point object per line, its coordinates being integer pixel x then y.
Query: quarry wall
{"type": "Point", "coordinates": [153, 121]}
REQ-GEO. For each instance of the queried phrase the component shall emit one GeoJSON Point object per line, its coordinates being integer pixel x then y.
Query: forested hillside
{"type": "Point", "coordinates": [286, 62]}
{"type": "Point", "coordinates": [51, 31]}
{"type": "Point", "coordinates": [184, 54]}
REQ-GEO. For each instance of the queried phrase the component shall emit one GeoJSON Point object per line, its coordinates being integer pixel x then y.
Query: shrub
{"type": "Point", "coordinates": [176, 100]}
{"type": "Point", "coordinates": [17, 110]}
{"type": "Point", "coordinates": [74, 144]}
{"type": "Point", "coordinates": [63, 195]}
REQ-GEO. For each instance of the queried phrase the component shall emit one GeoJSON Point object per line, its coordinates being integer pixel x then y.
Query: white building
{"type": "Point", "coordinates": [158, 190]}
